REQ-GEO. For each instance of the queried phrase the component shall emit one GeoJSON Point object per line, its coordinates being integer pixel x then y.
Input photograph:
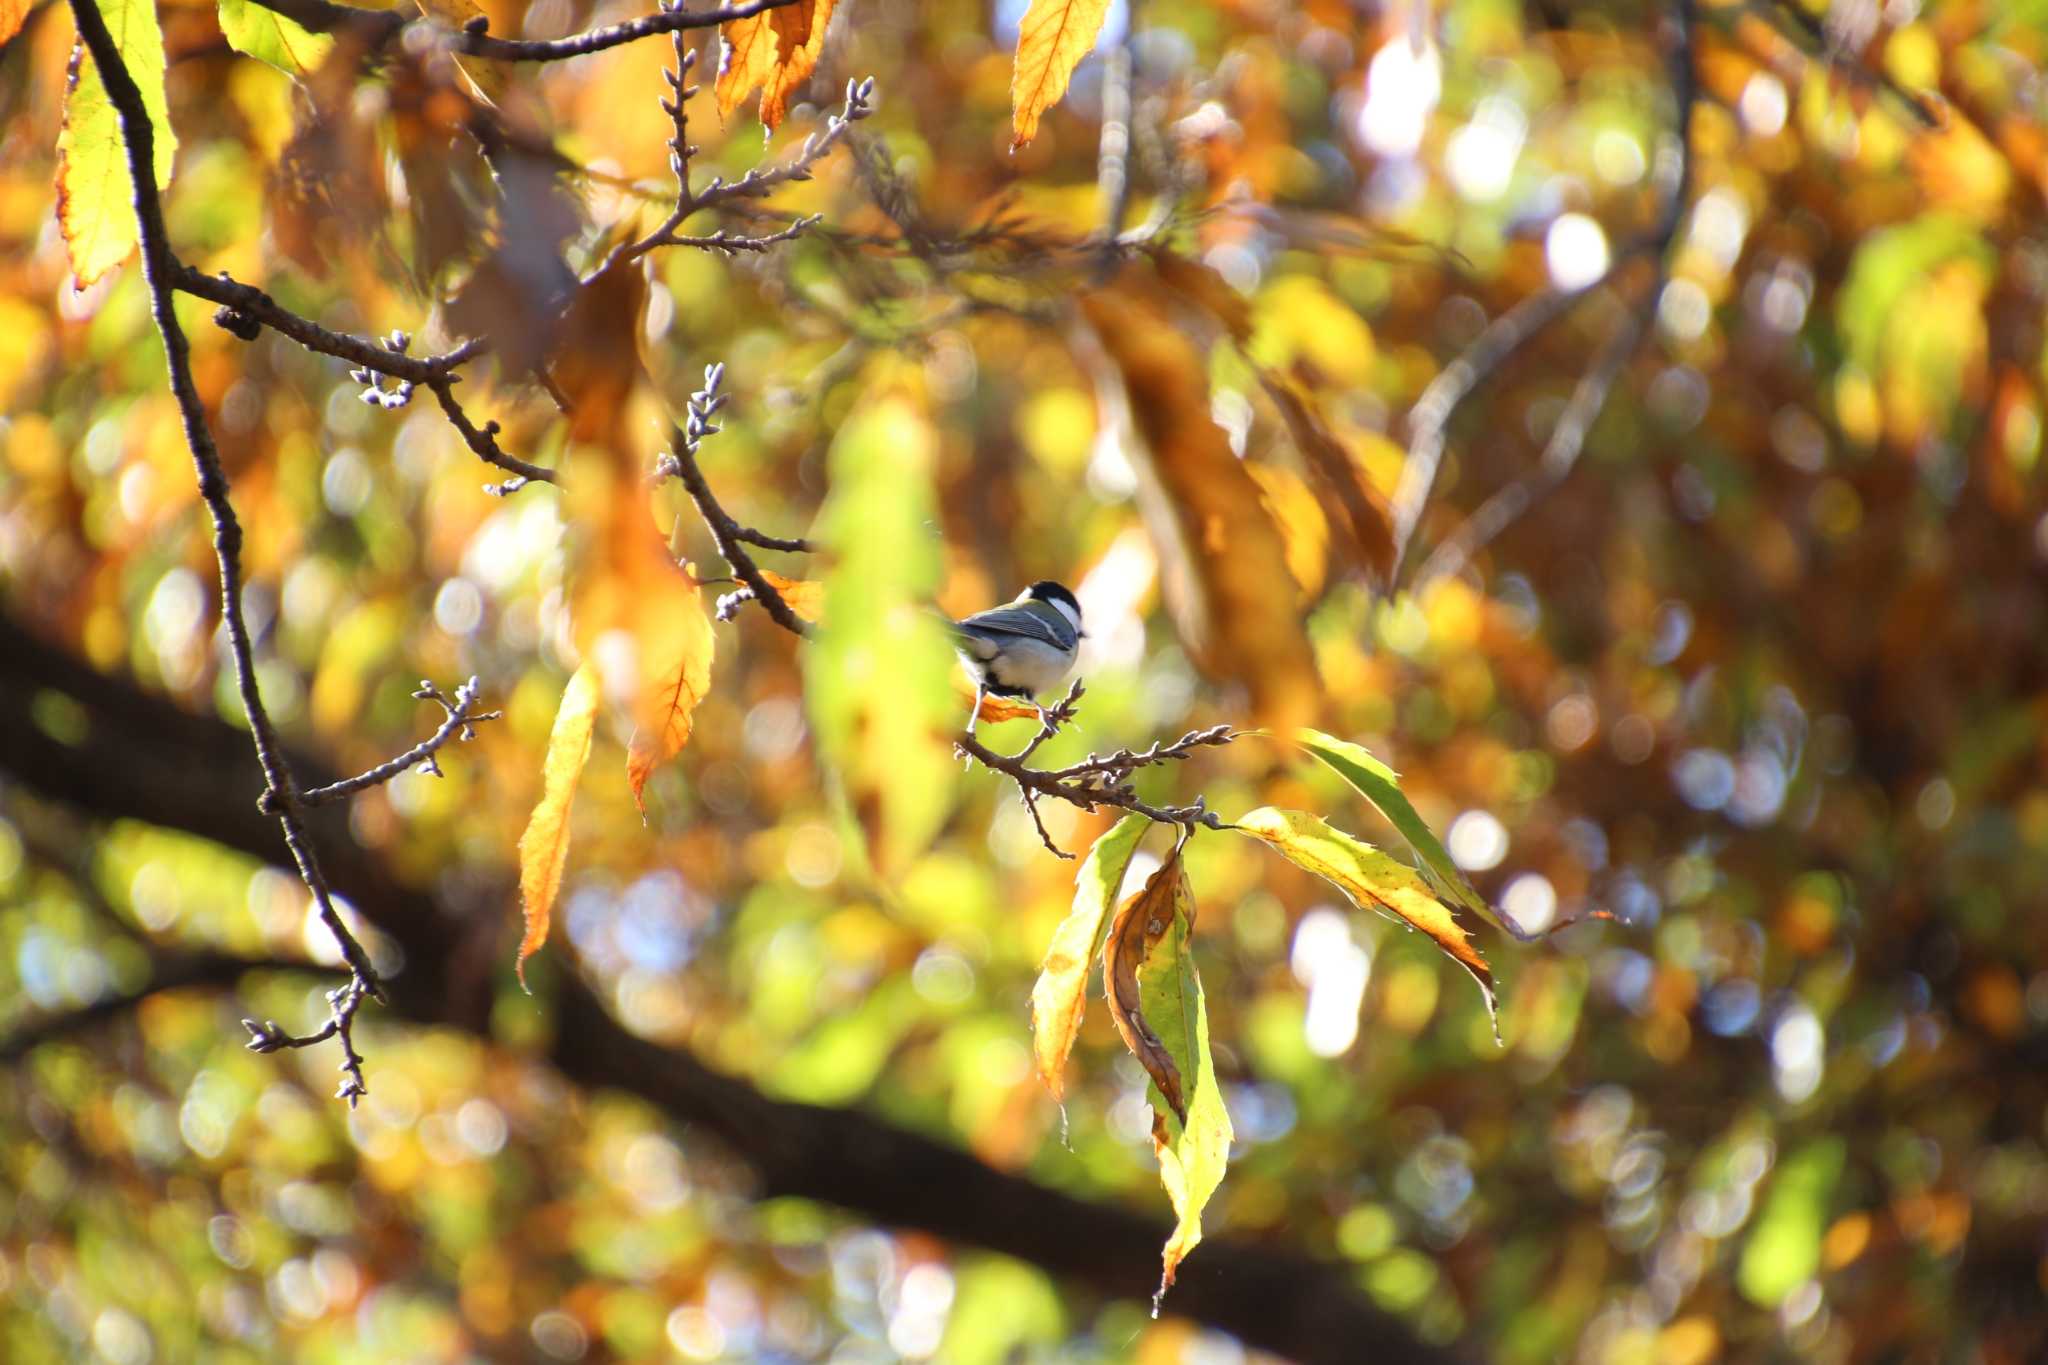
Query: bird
{"type": "Point", "coordinates": [1022, 648]}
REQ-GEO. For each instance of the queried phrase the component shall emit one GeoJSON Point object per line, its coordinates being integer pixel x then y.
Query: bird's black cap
{"type": "Point", "coordinates": [1045, 590]}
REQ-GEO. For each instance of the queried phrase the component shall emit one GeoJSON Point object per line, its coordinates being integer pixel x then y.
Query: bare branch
{"type": "Point", "coordinates": [1521, 324]}
{"type": "Point", "coordinates": [379, 28]}
{"type": "Point", "coordinates": [859, 103]}
{"type": "Point", "coordinates": [730, 537]}
{"type": "Point", "coordinates": [461, 723]}
{"type": "Point", "coordinates": [342, 1003]}
{"type": "Point", "coordinates": [244, 309]}
{"type": "Point", "coordinates": [483, 441]}
{"type": "Point", "coordinates": [1097, 780]}
{"type": "Point", "coordinates": [160, 271]}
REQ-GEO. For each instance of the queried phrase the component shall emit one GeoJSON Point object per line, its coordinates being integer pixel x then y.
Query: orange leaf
{"type": "Point", "coordinates": [12, 12]}
{"type": "Point", "coordinates": [1367, 532]}
{"type": "Point", "coordinates": [1141, 921]}
{"type": "Point", "coordinates": [796, 68]}
{"type": "Point", "coordinates": [995, 709]}
{"type": "Point", "coordinates": [772, 51]}
{"type": "Point", "coordinates": [805, 596]}
{"type": "Point", "coordinates": [544, 847]}
{"type": "Point", "coordinates": [1054, 37]}
{"type": "Point", "coordinates": [1222, 559]}
{"type": "Point", "coordinates": [665, 715]}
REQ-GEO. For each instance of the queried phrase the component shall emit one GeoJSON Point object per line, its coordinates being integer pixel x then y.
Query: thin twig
{"type": "Point", "coordinates": [244, 309]}
{"type": "Point", "coordinates": [1516, 328]}
{"type": "Point", "coordinates": [1098, 780]}
{"type": "Point", "coordinates": [1113, 154]}
{"type": "Point", "coordinates": [483, 441]}
{"type": "Point", "coordinates": [473, 40]}
{"type": "Point", "coordinates": [730, 537]}
{"type": "Point", "coordinates": [1831, 55]}
{"type": "Point", "coordinates": [859, 103]}
{"type": "Point", "coordinates": [159, 270]}
{"type": "Point", "coordinates": [342, 1003]}
{"type": "Point", "coordinates": [461, 723]}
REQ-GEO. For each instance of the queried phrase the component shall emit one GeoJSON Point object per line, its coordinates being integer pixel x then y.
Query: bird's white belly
{"type": "Point", "coordinates": [1023, 665]}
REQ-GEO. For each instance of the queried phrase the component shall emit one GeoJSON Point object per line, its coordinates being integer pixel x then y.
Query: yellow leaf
{"type": "Point", "coordinates": [271, 37]}
{"type": "Point", "coordinates": [1372, 879]}
{"type": "Point", "coordinates": [95, 199]}
{"type": "Point", "coordinates": [1060, 995]}
{"type": "Point", "coordinates": [1141, 921]}
{"type": "Point", "coordinates": [772, 51]}
{"type": "Point", "coordinates": [1054, 37]}
{"type": "Point", "coordinates": [544, 847]}
{"type": "Point", "coordinates": [805, 596]}
{"type": "Point", "coordinates": [664, 715]}
{"type": "Point", "coordinates": [878, 677]}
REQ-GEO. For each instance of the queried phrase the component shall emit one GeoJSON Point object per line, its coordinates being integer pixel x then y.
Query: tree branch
{"type": "Point", "coordinates": [143, 758]}
{"type": "Point", "coordinates": [379, 28]}
{"type": "Point", "coordinates": [730, 537]}
{"type": "Point", "coordinates": [160, 273]}
{"type": "Point", "coordinates": [1096, 780]}
{"type": "Point", "coordinates": [462, 720]}
{"type": "Point", "coordinates": [1521, 324]}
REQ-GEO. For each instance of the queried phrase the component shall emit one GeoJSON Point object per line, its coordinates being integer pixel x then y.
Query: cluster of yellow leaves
{"type": "Point", "coordinates": [774, 52]}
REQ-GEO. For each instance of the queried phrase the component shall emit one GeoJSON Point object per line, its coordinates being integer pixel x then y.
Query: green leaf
{"type": "Point", "coordinates": [878, 678]}
{"type": "Point", "coordinates": [268, 36]}
{"type": "Point", "coordinates": [1783, 1250]}
{"type": "Point", "coordinates": [1381, 786]}
{"type": "Point", "coordinates": [1059, 998]}
{"type": "Point", "coordinates": [95, 198]}
{"type": "Point", "coordinates": [1373, 880]}
{"type": "Point", "coordinates": [1192, 1154]}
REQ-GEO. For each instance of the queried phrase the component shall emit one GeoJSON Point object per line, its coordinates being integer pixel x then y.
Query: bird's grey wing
{"type": "Point", "coordinates": [1015, 621]}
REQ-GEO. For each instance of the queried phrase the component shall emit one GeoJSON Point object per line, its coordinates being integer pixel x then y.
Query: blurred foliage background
{"type": "Point", "coordinates": [1760, 675]}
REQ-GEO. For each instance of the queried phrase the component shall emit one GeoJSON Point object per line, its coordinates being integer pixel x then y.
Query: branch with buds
{"type": "Point", "coordinates": [1097, 780]}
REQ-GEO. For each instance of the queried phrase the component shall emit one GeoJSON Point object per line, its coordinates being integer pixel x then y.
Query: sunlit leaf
{"type": "Point", "coordinates": [1141, 921]}
{"type": "Point", "coordinates": [1372, 879]}
{"type": "Point", "coordinates": [1366, 533]}
{"type": "Point", "coordinates": [271, 37]}
{"type": "Point", "coordinates": [1783, 1250]}
{"type": "Point", "coordinates": [1053, 38]}
{"type": "Point", "coordinates": [1060, 996]}
{"type": "Point", "coordinates": [544, 847]}
{"type": "Point", "coordinates": [878, 677]}
{"type": "Point", "coordinates": [95, 200]}
{"type": "Point", "coordinates": [1381, 786]}
{"type": "Point", "coordinates": [1191, 1130]}
{"type": "Point", "coordinates": [774, 51]}
{"type": "Point", "coordinates": [12, 12]}
{"type": "Point", "coordinates": [1220, 554]}
{"type": "Point", "coordinates": [998, 709]}
{"type": "Point", "coordinates": [663, 719]}
{"type": "Point", "coordinates": [805, 596]}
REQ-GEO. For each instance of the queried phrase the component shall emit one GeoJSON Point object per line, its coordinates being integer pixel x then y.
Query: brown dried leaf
{"type": "Point", "coordinates": [1141, 921]}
